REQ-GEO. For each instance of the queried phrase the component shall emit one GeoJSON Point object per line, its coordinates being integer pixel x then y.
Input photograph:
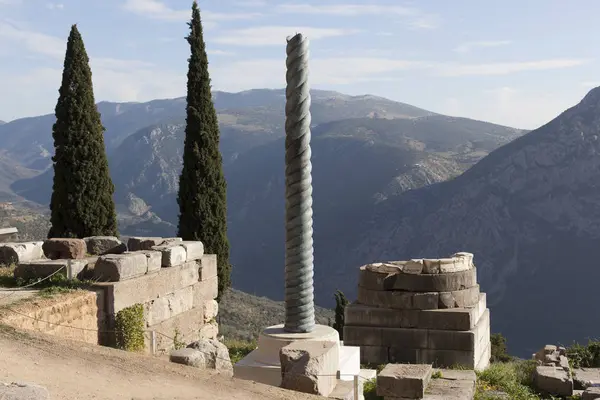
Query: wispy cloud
{"type": "Point", "coordinates": [468, 46]}
{"type": "Point", "coordinates": [158, 10]}
{"type": "Point", "coordinates": [506, 67]}
{"type": "Point", "coordinates": [276, 35]}
{"type": "Point", "coordinates": [220, 53]}
{"type": "Point", "coordinates": [35, 42]}
{"type": "Point", "coordinates": [55, 6]}
{"type": "Point", "coordinates": [10, 2]}
{"type": "Point", "coordinates": [428, 21]}
{"type": "Point", "coordinates": [251, 3]}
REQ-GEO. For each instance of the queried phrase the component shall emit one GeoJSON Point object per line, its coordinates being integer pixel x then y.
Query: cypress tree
{"type": "Point", "coordinates": [82, 197]}
{"type": "Point", "coordinates": [340, 305]}
{"type": "Point", "coordinates": [202, 194]}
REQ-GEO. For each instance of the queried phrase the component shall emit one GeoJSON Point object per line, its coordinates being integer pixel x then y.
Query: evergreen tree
{"type": "Point", "coordinates": [82, 197]}
{"type": "Point", "coordinates": [340, 305]}
{"type": "Point", "coordinates": [202, 194]}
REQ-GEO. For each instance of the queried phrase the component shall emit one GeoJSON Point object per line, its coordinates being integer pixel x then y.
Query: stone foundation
{"type": "Point", "coordinates": [420, 312]}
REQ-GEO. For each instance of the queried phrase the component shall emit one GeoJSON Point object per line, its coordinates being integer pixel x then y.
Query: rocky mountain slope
{"type": "Point", "coordinates": [529, 211]}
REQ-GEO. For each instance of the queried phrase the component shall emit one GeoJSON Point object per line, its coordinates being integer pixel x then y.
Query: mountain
{"type": "Point", "coordinates": [529, 211]}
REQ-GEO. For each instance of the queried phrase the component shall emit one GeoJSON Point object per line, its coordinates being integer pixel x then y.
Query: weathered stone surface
{"type": "Point", "coordinates": [147, 243]}
{"type": "Point", "coordinates": [401, 355]}
{"type": "Point", "coordinates": [403, 300]}
{"type": "Point", "coordinates": [393, 267]}
{"type": "Point", "coordinates": [425, 301]}
{"type": "Point", "coordinates": [452, 386]}
{"type": "Point", "coordinates": [584, 378]}
{"type": "Point", "coordinates": [363, 336]}
{"type": "Point", "coordinates": [15, 253]}
{"type": "Point", "coordinates": [23, 391]}
{"type": "Point", "coordinates": [592, 393]}
{"type": "Point", "coordinates": [415, 266]}
{"type": "Point", "coordinates": [216, 354]}
{"type": "Point", "coordinates": [120, 267]}
{"type": "Point", "coordinates": [460, 340]}
{"type": "Point", "coordinates": [385, 299]}
{"type": "Point", "coordinates": [194, 250]}
{"type": "Point", "coordinates": [460, 319]}
{"type": "Point", "coordinates": [401, 380]}
{"type": "Point", "coordinates": [209, 330]}
{"type": "Point", "coordinates": [172, 254]}
{"type": "Point", "coordinates": [148, 287]}
{"type": "Point", "coordinates": [205, 290]}
{"type": "Point", "coordinates": [43, 268]}
{"type": "Point", "coordinates": [459, 298]}
{"type": "Point", "coordinates": [211, 310]}
{"type": "Point", "coordinates": [309, 366]}
{"type": "Point", "coordinates": [169, 305]}
{"type": "Point", "coordinates": [100, 245]}
{"type": "Point", "coordinates": [188, 356]}
{"type": "Point", "coordinates": [553, 380]}
{"type": "Point", "coordinates": [445, 265]}
{"type": "Point", "coordinates": [435, 282]}
{"type": "Point", "coordinates": [154, 260]}
{"type": "Point", "coordinates": [208, 267]}
{"type": "Point", "coordinates": [373, 354]}
{"type": "Point", "coordinates": [186, 326]}
{"type": "Point", "coordinates": [405, 337]}
{"type": "Point", "coordinates": [59, 248]}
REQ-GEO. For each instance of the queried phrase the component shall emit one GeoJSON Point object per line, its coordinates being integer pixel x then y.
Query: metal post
{"type": "Point", "coordinates": [356, 391]}
{"type": "Point", "coordinates": [299, 296]}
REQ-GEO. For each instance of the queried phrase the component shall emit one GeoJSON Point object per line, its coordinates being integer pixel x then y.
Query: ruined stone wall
{"type": "Point", "coordinates": [174, 280]}
{"type": "Point", "coordinates": [420, 312]}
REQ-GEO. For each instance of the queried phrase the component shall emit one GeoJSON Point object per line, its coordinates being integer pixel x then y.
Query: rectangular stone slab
{"type": "Point", "coordinates": [42, 268]}
{"type": "Point", "coordinates": [403, 300]}
{"type": "Point", "coordinates": [208, 267]}
{"type": "Point", "coordinates": [404, 381]}
{"type": "Point", "coordinates": [120, 267]}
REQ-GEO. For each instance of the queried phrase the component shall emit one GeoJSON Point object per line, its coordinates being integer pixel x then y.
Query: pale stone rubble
{"type": "Point", "coordinates": [421, 311]}
{"type": "Point", "coordinates": [23, 391]}
{"type": "Point", "coordinates": [553, 375]}
{"type": "Point", "coordinates": [205, 354]}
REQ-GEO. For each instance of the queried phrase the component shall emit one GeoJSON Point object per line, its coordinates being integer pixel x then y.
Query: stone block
{"type": "Point", "coordinates": [425, 301]}
{"type": "Point", "coordinates": [553, 381]}
{"type": "Point", "coordinates": [349, 363]}
{"type": "Point", "coordinates": [194, 250]}
{"type": "Point", "coordinates": [385, 299]}
{"type": "Point", "coordinates": [402, 355]}
{"type": "Point", "coordinates": [459, 298]}
{"type": "Point", "coordinates": [215, 354]}
{"type": "Point", "coordinates": [460, 319]}
{"type": "Point", "coordinates": [150, 286]}
{"type": "Point", "coordinates": [404, 381]}
{"type": "Point", "coordinates": [393, 267]}
{"type": "Point", "coordinates": [309, 366]}
{"type": "Point", "coordinates": [592, 393]}
{"type": "Point", "coordinates": [344, 390]}
{"type": "Point", "coordinates": [186, 326]}
{"type": "Point", "coordinates": [209, 330]}
{"type": "Point", "coordinates": [373, 355]}
{"type": "Point", "coordinates": [169, 305]}
{"type": "Point", "coordinates": [60, 248]}
{"type": "Point", "coordinates": [143, 243]}
{"type": "Point", "coordinates": [438, 282]}
{"type": "Point", "coordinates": [172, 254]}
{"type": "Point", "coordinates": [42, 268]}
{"type": "Point", "coordinates": [404, 337]}
{"type": "Point", "coordinates": [208, 267]}
{"type": "Point", "coordinates": [363, 336]}
{"type": "Point", "coordinates": [446, 265]}
{"type": "Point", "coordinates": [211, 310]}
{"type": "Point", "coordinates": [362, 315]}
{"type": "Point", "coordinates": [188, 356]}
{"type": "Point", "coordinates": [100, 245]}
{"type": "Point", "coordinates": [205, 290]}
{"type": "Point", "coordinates": [23, 391]}
{"type": "Point", "coordinates": [120, 267]}
{"type": "Point", "coordinates": [460, 340]}
{"type": "Point", "coordinates": [452, 385]}
{"type": "Point", "coordinates": [374, 280]}
{"type": "Point", "coordinates": [15, 253]}
{"type": "Point", "coordinates": [584, 378]}
{"type": "Point", "coordinates": [154, 259]}
{"type": "Point", "coordinates": [415, 266]}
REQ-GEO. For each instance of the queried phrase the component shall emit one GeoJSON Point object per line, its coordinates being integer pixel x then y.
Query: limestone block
{"type": "Point", "coordinates": [459, 319]}
{"type": "Point", "coordinates": [439, 282]}
{"type": "Point", "coordinates": [188, 356]}
{"type": "Point", "coordinates": [146, 243]}
{"type": "Point", "coordinates": [186, 326]}
{"type": "Point", "coordinates": [15, 253]}
{"type": "Point", "coordinates": [402, 355]}
{"type": "Point", "coordinates": [408, 381]}
{"type": "Point", "coordinates": [211, 309]}
{"type": "Point", "coordinates": [309, 366]}
{"type": "Point", "coordinates": [194, 250]}
{"type": "Point", "coordinates": [553, 380]}
{"type": "Point", "coordinates": [385, 268]}
{"type": "Point", "coordinates": [43, 268]}
{"type": "Point", "coordinates": [413, 267]}
{"type": "Point", "coordinates": [172, 254]}
{"type": "Point", "coordinates": [584, 378]}
{"type": "Point", "coordinates": [100, 245]}
{"type": "Point", "coordinates": [59, 248]}
{"type": "Point", "coordinates": [169, 305]}
{"type": "Point", "coordinates": [205, 290]}
{"type": "Point", "coordinates": [208, 267]}
{"type": "Point", "coordinates": [446, 265]}
{"type": "Point", "coordinates": [216, 354]}
{"type": "Point", "coordinates": [209, 330]}
{"type": "Point", "coordinates": [154, 260]}
{"type": "Point", "coordinates": [460, 340]}
{"type": "Point", "coordinates": [120, 267]}
{"type": "Point", "coordinates": [363, 336]}
{"type": "Point", "coordinates": [459, 298]}
{"type": "Point", "coordinates": [425, 301]}
{"type": "Point", "coordinates": [148, 287]}
{"type": "Point", "coordinates": [344, 390]}
{"type": "Point", "coordinates": [404, 337]}
{"type": "Point", "coordinates": [373, 355]}
{"type": "Point", "coordinates": [349, 362]}
{"type": "Point", "coordinates": [23, 391]}
{"type": "Point", "coordinates": [373, 280]}
{"type": "Point", "coordinates": [452, 385]}
{"type": "Point", "coordinates": [385, 299]}
{"type": "Point", "coordinates": [592, 393]}
{"type": "Point", "coordinates": [361, 315]}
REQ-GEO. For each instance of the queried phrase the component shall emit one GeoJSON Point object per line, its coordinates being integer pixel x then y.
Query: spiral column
{"type": "Point", "coordinates": [299, 296]}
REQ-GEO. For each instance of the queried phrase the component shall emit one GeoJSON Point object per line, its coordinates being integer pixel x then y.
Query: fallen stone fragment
{"type": "Point", "coordinates": [120, 267]}
{"type": "Point", "coordinates": [14, 253]}
{"type": "Point", "coordinates": [60, 248]}
{"type": "Point", "coordinates": [23, 391]}
{"type": "Point", "coordinates": [553, 380]}
{"type": "Point", "coordinates": [216, 354]}
{"type": "Point", "coordinates": [404, 380]}
{"type": "Point", "coordinates": [100, 245]}
{"type": "Point", "coordinates": [584, 378]}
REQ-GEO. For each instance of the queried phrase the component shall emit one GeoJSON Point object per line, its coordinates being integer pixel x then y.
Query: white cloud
{"type": "Point", "coordinates": [506, 67]}
{"type": "Point", "coordinates": [157, 10]}
{"type": "Point", "coordinates": [468, 46]}
{"type": "Point", "coordinates": [251, 3]}
{"type": "Point", "coordinates": [55, 6]}
{"type": "Point", "coordinates": [35, 42]}
{"type": "Point", "coordinates": [429, 21]}
{"type": "Point", "coordinates": [345, 9]}
{"type": "Point", "coordinates": [276, 35]}
{"type": "Point", "coordinates": [220, 53]}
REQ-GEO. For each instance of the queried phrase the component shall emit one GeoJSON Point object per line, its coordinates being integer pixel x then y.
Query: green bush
{"type": "Point", "coordinates": [499, 351]}
{"type": "Point", "coordinates": [370, 390]}
{"type": "Point", "coordinates": [513, 378]}
{"type": "Point", "coordinates": [129, 327]}
{"type": "Point", "coordinates": [584, 356]}
{"type": "Point", "coordinates": [239, 349]}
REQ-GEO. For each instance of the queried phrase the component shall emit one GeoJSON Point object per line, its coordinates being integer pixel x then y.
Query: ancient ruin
{"type": "Point", "coordinates": [425, 311]}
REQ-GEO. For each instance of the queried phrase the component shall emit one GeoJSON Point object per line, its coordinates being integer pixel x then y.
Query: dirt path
{"type": "Point", "coordinates": [73, 370]}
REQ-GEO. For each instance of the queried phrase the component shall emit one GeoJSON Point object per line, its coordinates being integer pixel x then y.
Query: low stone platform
{"type": "Point", "coordinates": [420, 312]}
{"type": "Point", "coordinates": [405, 382]}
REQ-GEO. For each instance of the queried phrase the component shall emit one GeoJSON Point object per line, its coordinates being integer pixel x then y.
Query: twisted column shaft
{"type": "Point", "coordinates": [299, 297]}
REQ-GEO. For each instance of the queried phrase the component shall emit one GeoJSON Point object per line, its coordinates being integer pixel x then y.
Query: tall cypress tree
{"type": "Point", "coordinates": [202, 195]}
{"type": "Point", "coordinates": [82, 198]}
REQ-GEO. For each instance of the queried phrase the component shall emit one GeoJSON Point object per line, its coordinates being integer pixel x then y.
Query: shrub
{"type": "Point", "coordinates": [129, 328]}
{"type": "Point", "coordinates": [584, 356]}
{"type": "Point", "coordinates": [340, 304]}
{"type": "Point", "coordinates": [239, 349]}
{"type": "Point", "coordinates": [499, 351]}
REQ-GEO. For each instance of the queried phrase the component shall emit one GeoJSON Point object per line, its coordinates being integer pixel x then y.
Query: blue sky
{"type": "Point", "coordinates": [517, 63]}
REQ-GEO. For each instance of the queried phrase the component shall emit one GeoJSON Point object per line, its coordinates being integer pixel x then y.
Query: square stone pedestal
{"type": "Point", "coordinates": [263, 365]}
